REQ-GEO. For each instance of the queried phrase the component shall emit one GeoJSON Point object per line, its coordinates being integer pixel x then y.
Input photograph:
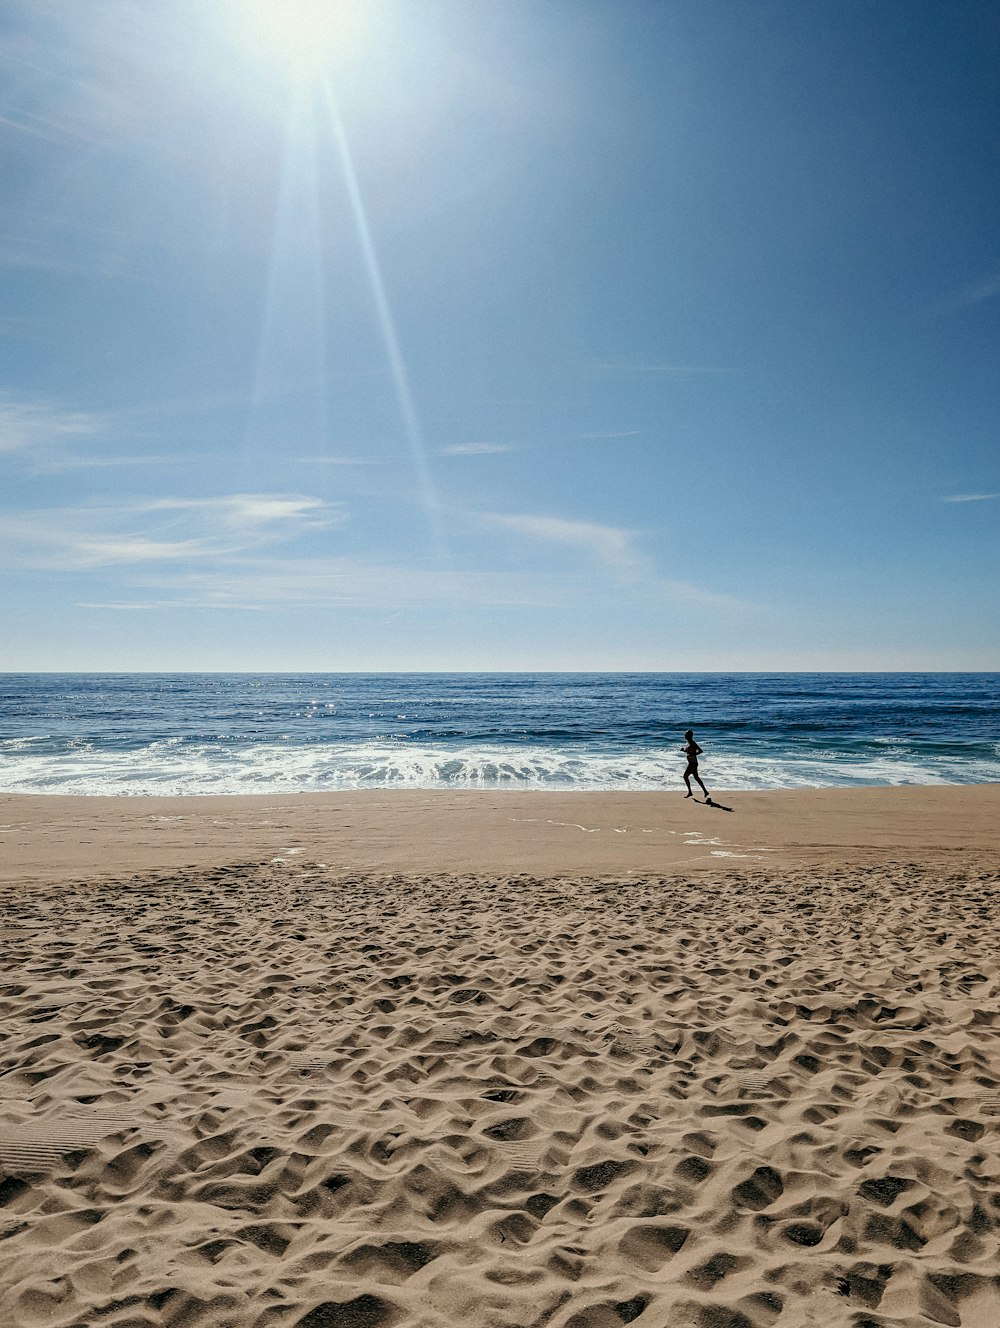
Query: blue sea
{"type": "Point", "coordinates": [288, 733]}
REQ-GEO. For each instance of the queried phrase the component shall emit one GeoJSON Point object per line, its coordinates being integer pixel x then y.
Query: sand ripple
{"type": "Point", "coordinates": [269, 1096]}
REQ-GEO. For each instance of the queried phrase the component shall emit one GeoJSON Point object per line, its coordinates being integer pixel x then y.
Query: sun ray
{"type": "Point", "coordinates": [387, 326]}
{"type": "Point", "coordinates": [291, 346]}
{"type": "Point", "coordinates": [304, 41]}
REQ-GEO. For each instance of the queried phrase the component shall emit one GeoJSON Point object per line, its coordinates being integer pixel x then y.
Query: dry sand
{"type": "Point", "coordinates": [436, 1060]}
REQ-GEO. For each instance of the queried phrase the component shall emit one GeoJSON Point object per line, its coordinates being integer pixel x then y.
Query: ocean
{"type": "Point", "coordinates": [289, 733]}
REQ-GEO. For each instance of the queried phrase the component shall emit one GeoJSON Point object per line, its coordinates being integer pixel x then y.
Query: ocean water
{"type": "Point", "coordinates": [278, 733]}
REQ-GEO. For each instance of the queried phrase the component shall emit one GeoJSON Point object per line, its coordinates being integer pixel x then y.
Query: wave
{"type": "Point", "coordinates": [169, 766]}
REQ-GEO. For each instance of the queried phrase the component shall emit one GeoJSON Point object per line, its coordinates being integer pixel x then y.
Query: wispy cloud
{"type": "Point", "coordinates": [27, 426]}
{"type": "Point", "coordinates": [263, 583]}
{"type": "Point", "coordinates": [246, 510]}
{"type": "Point", "coordinates": [670, 589]}
{"type": "Point", "coordinates": [38, 126]}
{"type": "Point", "coordinates": [159, 530]}
{"type": "Point", "coordinates": [239, 552]}
{"type": "Point", "coordinates": [612, 549]}
{"type": "Point", "coordinates": [475, 449]}
{"type": "Point", "coordinates": [984, 288]}
{"type": "Point", "coordinates": [970, 497]}
{"type": "Point", "coordinates": [117, 550]}
{"type": "Point", "coordinates": [609, 546]}
{"type": "Point", "coordinates": [42, 437]}
{"type": "Point", "coordinates": [96, 82]}
{"type": "Point", "coordinates": [339, 582]}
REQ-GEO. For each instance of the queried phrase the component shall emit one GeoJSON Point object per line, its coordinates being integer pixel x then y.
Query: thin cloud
{"type": "Point", "coordinates": [609, 546]}
{"type": "Point", "coordinates": [38, 127]}
{"type": "Point", "coordinates": [159, 530]}
{"type": "Point", "coordinates": [244, 509]}
{"type": "Point", "coordinates": [259, 584]}
{"type": "Point", "coordinates": [98, 84]}
{"type": "Point", "coordinates": [612, 548]}
{"type": "Point", "coordinates": [115, 550]}
{"type": "Point", "coordinates": [40, 436]}
{"type": "Point", "coordinates": [970, 497]}
{"type": "Point", "coordinates": [975, 292]}
{"type": "Point", "coordinates": [31, 425]}
{"type": "Point", "coordinates": [475, 449]}
{"type": "Point", "coordinates": [342, 582]}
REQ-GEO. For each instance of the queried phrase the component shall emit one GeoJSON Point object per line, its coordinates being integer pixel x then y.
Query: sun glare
{"type": "Point", "coordinates": [305, 38]}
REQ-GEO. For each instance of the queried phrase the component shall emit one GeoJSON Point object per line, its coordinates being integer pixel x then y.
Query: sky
{"type": "Point", "coordinates": [455, 335]}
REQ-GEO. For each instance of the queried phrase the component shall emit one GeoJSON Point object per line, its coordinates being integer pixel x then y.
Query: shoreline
{"type": "Point", "coordinates": [46, 837]}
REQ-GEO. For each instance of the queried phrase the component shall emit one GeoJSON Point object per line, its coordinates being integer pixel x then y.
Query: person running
{"type": "Point", "coordinates": [692, 751]}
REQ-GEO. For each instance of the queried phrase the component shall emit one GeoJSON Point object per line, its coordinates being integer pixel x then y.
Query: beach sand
{"type": "Point", "coordinates": [444, 1059]}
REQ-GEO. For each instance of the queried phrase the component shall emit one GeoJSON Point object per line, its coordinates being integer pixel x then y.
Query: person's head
{"type": "Point", "coordinates": [689, 733]}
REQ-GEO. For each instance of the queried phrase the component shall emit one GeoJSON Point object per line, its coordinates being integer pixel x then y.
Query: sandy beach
{"type": "Point", "coordinates": [354, 1060]}
{"type": "Point", "coordinates": [552, 834]}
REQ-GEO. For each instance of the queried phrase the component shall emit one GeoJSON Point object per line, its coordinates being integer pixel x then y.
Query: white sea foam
{"type": "Point", "coordinates": [172, 767]}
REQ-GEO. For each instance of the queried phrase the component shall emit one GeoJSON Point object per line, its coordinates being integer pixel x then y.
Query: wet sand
{"type": "Point", "coordinates": [55, 837]}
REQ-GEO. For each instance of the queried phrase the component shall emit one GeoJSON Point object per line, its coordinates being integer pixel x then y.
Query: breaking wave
{"type": "Point", "coordinates": [174, 767]}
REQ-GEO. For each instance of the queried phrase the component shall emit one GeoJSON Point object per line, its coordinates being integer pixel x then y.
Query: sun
{"type": "Point", "coordinates": [304, 39]}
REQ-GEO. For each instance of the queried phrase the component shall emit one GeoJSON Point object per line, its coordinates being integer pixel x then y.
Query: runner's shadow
{"type": "Point", "coordinates": [709, 802]}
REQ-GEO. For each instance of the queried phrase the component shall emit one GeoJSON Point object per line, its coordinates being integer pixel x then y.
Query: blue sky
{"type": "Point", "coordinates": [550, 334]}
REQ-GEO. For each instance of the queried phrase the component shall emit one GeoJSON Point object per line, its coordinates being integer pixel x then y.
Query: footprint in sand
{"type": "Point", "coordinates": [556, 1102]}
